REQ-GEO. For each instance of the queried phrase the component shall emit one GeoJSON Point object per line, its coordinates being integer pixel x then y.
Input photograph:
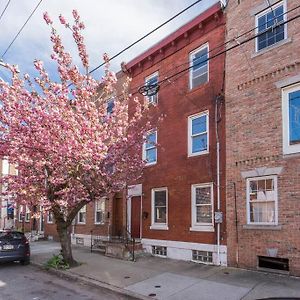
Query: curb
{"type": "Point", "coordinates": [91, 282]}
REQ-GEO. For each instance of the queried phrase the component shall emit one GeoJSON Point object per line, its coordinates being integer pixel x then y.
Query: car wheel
{"type": "Point", "coordinates": [25, 262]}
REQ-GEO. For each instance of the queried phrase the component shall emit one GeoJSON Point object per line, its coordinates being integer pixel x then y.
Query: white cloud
{"type": "Point", "coordinates": [111, 25]}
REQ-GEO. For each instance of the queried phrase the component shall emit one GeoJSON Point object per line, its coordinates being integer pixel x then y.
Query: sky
{"type": "Point", "coordinates": [111, 25]}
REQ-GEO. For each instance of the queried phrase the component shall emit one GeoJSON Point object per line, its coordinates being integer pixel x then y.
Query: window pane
{"type": "Point", "coordinates": [160, 198]}
{"type": "Point", "coordinates": [151, 155]}
{"type": "Point", "coordinates": [199, 125]}
{"type": "Point", "coordinates": [199, 143]}
{"type": "Point", "coordinates": [203, 195]}
{"type": "Point", "coordinates": [152, 80]}
{"type": "Point", "coordinates": [151, 140]}
{"type": "Point", "coordinates": [160, 215]}
{"type": "Point", "coordinates": [200, 59]}
{"type": "Point", "coordinates": [262, 212]}
{"type": "Point", "coordinates": [294, 117]}
{"type": "Point", "coordinates": [262, 23]}
{"type": "Point", "coordinates": [110, 106]}
{"type": "Point", "coordinates": [204, 214]}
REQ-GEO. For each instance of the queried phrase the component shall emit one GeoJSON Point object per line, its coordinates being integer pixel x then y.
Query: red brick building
{"type": "Point", "coordinates": [172, 208]}
{"type": "Point", "coordinates": [263, 135]}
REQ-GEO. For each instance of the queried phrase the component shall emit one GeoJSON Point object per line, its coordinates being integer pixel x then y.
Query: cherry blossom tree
{"type": "Point", "coordinates": [67, 149]}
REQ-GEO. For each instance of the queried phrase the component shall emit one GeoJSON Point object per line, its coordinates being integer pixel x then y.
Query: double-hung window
{"type": "Point", "coordinates": [159, 208]}
{"type": "Point", "coordinates": [150, 148]}
{"type": "Point", "coordinates": [199, 66]}
{"type": "Point", "coordinates": [291, 119]}
{"type": "Point", "coordinates": [269, 29]}
{"type": "Point", "coordinates": [198, 138]}
{"type": "Point", "coordinates": [27, 214]}
{"type": "Point", "coordinates": [202, 207]}
{"type": "Point", "coordinates": [82, 215]}
{"type": "Point", "coordinates": [262, 200]}
{"type": "Point", "coordinates": [50, 217]}
{"type": "Point", "coordinates": [100, 211]}
{"type": "Point", "coordinates": [151, 83]}
{"type": "Point", "coordinates": [21, 215]}
{"type": "Point", "coordinates": [110, 106]}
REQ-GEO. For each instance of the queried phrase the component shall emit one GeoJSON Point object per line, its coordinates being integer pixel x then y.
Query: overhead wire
{"type": "Point", "coordinates": [146, 35]}
{"type": "Point", "coordinates": [18, 33]}
{"type": "Point", "coordinates": [6, 6]}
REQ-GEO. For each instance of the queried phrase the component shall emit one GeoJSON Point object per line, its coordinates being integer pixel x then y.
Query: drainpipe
{"type": "Point", "coordinates": [218, 214]}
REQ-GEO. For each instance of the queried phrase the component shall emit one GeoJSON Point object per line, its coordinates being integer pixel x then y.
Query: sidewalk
{"type": "Point", "coordinates": [159, 278]}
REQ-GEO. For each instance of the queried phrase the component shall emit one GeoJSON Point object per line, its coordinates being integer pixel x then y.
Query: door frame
{"type": "Point", "coordinates": [134, 191]}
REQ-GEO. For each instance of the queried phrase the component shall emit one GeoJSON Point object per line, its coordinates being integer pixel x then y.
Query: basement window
{"type": "Point", "coordinates": [79, 241]}
{"type": "Point", "coordinates": [273, 263]}
{"type": "Point", "coordinates": [159, 251]}
{"type": "Point", "coordinates": [202, 256]}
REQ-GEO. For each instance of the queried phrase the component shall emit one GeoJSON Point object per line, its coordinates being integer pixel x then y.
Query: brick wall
{"type": "Point", "coordinates": [254, 137]}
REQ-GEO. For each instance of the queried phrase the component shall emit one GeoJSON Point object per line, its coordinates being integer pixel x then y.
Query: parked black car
{"type": "Point", "coordinates": [14, 246]}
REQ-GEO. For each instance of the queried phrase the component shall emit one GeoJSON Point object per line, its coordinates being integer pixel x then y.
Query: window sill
{"type": "Point", "coordinates": [49, 222]}
{"type": "Point", "coordinates": [101, 223]}
{"type": "Point", "coordinates": [159, 227]}
{"type": "Point", "coordinates": [151, 164]}
{"type": "Point", "coordinates": [262, 227]}
{"type": "Point", "coordinates": [204, 228]}
{"type": "Point", "coordinates": [263, 51]}
{"type": "Point", "coordinates": [198, 153]}
{"type": "Point", "coordinates": [80, 223]}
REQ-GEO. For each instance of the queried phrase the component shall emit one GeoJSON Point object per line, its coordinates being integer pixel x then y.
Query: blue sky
{"type": "Point", "coordinates": [111, 25]}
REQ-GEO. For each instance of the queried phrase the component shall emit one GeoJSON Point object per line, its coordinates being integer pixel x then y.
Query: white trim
{"type": "Point", "coordinates": [201, 226]}
{"type": "Point", "coordinates": [5, 167]}
{"type": "Point", "coordinates": [82, 210]}
{"type": "Point", "coordinates": [190, 144]}
{"type": "Point", "coordinates": [129, 214]}
{"type": "Point", "coordinates": [191, 55]}
{"type": "Point", "coordinates": [27, 214]}
{"type": "Point", "coordinates": [154, 98]}
{"type": "Point", "coordinates": [274, 177]}
{"type": "Point", "coordinates": [158, 226]}
{"type": "Point", "coordinates": [144, 155]}
{"type": "Point", "coordinates": [262, 13]}
{"type": "Point", "coordinates": [263, 171]}
{"type": "Point", "coordinates": [286, 147]}
{"type": "Point", "coordinates": [48, 214]}
{"type": "Point", "coordinates": [183, 250]}
{"type": "Point", "coordinates": [20, 211]}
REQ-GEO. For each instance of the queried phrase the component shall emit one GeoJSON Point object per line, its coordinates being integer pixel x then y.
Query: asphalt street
{"type": "Point", "coordinates": [30, 283]}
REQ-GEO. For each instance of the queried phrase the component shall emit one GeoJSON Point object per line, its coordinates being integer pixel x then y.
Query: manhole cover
{"type": "Point", "coordinates": [152, 295]}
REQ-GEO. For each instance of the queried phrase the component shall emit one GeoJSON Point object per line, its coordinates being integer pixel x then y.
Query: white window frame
{"type": "Point", "coordinates": [154, 147]}
{"type": "Point", "coordinates": [287, 148]}
{"type": "Point", "coordinates": [190, 137]}
{"type": "Point", "coordinates": [27, 214]}
{"type": "Point", "coordinates": [49, 219]}
{"type": "Point", "coordinates": [196, 226]}
{"type": "Point", "coordinates": [154, 98]}
{"type": "Point", "coordinates": [95, 217]}
{"type": "Point", "coordinates": [82, 210]}
{"type": "Point", "coordinates": [158, 226]}
{"type": "Point", "coordinates": [191, 56]}
{"type": "Point", "coordinates": [20, 213]}
{"type": "Point", "coordinates": [274, 177]}
{"type": "Point", "coordinates": [267, 10]}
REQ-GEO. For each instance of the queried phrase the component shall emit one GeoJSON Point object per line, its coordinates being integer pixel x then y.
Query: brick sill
{"type": "Point", "coordinates": [262, 227]}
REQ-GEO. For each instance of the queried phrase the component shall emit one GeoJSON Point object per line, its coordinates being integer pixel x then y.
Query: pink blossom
{"type": "Point", "coordinates": [62, 20]}
{"type": "Point", "coordinates": [47, 18]}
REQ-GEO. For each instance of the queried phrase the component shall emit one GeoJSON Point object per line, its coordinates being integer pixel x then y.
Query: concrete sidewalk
{"type": "Point", "coordinates": [159, 278]}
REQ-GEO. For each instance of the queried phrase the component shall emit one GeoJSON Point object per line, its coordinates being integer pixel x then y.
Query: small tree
{"type": "Point", "coordinates": [67, 149]}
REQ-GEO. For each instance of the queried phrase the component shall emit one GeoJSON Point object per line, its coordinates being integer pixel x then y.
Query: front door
{"type": "Point", "coordinates": [135, 216]}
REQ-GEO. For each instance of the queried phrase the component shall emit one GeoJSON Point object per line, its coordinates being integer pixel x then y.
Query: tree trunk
{"type": "Point", "coordinates": [65, 242]}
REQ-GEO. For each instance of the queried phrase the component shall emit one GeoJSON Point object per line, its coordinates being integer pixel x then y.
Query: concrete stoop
{"type": "Point", "coordinates": [122, 251]}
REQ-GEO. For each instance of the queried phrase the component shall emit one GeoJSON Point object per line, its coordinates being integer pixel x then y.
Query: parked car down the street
{"type": "Point", "coordinates": [14, 246]}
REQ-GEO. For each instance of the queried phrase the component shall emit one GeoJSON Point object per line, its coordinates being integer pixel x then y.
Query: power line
{"type": "Point", "coordinates": [16, 36]}
{"type": "Point", "coordinates": [146, 35]}
{"type": "Point", "coordinates": [4, 9]}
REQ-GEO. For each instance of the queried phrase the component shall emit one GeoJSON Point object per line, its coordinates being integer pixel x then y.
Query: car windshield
{"type": "Point", "coordinates": [10, 235]}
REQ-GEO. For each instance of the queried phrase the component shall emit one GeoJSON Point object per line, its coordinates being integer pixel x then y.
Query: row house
{"type": "Point", "coordinates": [263, 135]}
{"type": "Point", "coordinates": [176, 208]}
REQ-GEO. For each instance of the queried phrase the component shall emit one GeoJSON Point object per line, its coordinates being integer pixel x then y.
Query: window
{"type": "Point", "coordinates": [100, 211]}
{"type": "Point", "coordinates": [159, 208]}
{"type": "Point", "coordinates": [79, 241]}
{"type": "Point", "coordinates": [202, 256]}
{"type": "Point", "coordinates": [262, 200]}
{"type": "Point", "coordinates": [21, 215]}
{"type": "Point", "coordinates": [150, 148]}
{"type": "Point", "coordinates": [199, 66]}
{"type": "Point", "coordinates": [159, 251]}
{"type": "Point", "coordinates": [291, 119]}
{"type": "Point", "coordinates": [27, 214]}
{"type": "Point", "coordinates": [82, 215]}
{"type": "Point", "coordinates": [110, 106]}
{"type": "Point", "coordinates": [50, 217]}
{"type": "Point", "coordinates": [198, 134]}
{"type": "Point", "coordinates": [202, 207]}
{"type": "Point", "coordinates": [265, 22]}
{"type": "Point", "coordinates": [152, 82]}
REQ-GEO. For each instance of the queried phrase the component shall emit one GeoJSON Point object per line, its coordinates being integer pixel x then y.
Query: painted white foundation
{"type": "Point", "coordinates": [86, 238]}
{"type": "Point", "coordinates": [183, 250]}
